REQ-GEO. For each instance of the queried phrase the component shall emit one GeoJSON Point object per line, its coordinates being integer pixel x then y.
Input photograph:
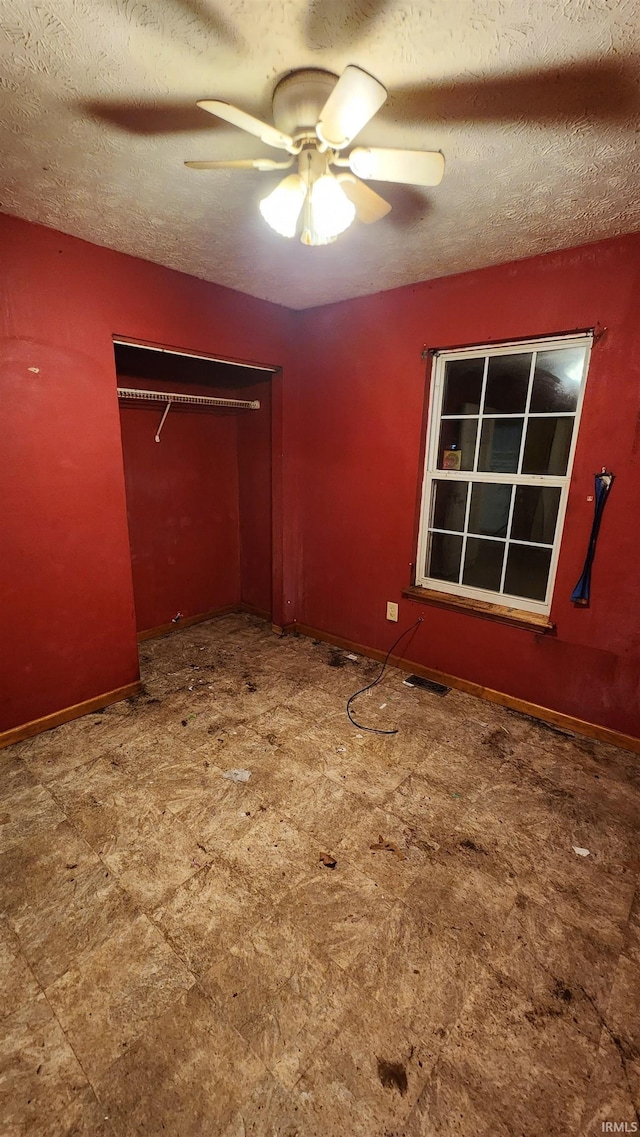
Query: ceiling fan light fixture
{"type": "Point", "coordinates": [329, 211]}
{"type": "Point", "coordinates": [282, 207]}
{"type": "Point", "coordinates": [310, 237]}
{"type": "Point", "coordinates": [323, 114]}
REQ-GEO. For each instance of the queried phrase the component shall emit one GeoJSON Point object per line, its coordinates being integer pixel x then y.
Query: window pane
{"type": "Point", "coordinates": [527, 571]}
{"type": "Point", "coordinates": [507, 383]}
{"type": "Point", "coordinates": [535, 513]}
{"type": "Point", "coordinates": [449, 505]}
{"type": "Point", "coordinates": [457, 444]}
{"type": "Point", "coordinates": [444, 557]}
{"type": "Point", "coordinates": [463, 386]}
{"type": "Point", "coordinates": [489, 510]}
{"type": "Point", "coordinates": [556, 380]}
{"type": "Point", "coordinates": [483, 563]}
{"type": "Point", "coordinates": [546, 450]}
{"type": "Point", "coordinates": [500, 445]}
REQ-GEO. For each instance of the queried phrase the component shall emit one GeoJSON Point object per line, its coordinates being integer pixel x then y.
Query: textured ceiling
{"type": "Point", "coordinates": [533, 102]}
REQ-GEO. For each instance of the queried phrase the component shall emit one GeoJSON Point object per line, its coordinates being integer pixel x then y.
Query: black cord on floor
{"type": "Point", "coordinates": [375, 729]}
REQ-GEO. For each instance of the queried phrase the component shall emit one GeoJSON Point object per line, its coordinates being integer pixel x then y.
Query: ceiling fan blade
{"type": "Point", "coordinates": [240, 164]}
{"type": "Point", "coordinates": [413, 167]}
{"type": "Point", "coordinates": [353, 102]}
{"type": "Point", "coordinates": [369, 205]}
{"type": "Point", "coordinates": [262, 130]}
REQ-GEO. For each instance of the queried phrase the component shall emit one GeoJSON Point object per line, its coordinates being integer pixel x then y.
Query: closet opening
{"type": "Point", "coordinates": [198, 478]}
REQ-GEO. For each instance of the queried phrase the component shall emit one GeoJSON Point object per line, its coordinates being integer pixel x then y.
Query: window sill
{"type": "Point", "coordinates": [532, 621]}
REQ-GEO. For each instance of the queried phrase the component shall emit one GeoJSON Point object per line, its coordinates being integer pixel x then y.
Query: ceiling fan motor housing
{"type": "Point", "coordinates": [299, 98]}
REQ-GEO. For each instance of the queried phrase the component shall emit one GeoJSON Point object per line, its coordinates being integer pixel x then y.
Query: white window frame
{"type": "Point", "coordinates": [432, 473]}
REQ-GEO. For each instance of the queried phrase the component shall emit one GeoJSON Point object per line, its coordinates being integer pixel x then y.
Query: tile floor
{"type": "Point", "coordinates": [177, 960]}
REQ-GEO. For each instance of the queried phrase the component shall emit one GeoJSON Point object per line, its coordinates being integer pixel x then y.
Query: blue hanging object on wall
{"type": "Point", "coordinates": [581, 592]}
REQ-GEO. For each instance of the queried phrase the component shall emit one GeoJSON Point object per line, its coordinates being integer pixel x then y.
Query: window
{"type": "Point", "coordinates": [502, 430]}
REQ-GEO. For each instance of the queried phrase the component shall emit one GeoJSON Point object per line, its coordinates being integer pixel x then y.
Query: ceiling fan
{"type": "Point", "coordinates": [316, 116]}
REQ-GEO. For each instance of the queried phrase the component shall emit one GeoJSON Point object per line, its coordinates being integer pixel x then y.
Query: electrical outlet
{"type": "Point", "coordinates": [392, 611]}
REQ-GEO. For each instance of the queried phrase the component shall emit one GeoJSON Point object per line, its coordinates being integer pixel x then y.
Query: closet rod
{"type": "Point", "coordinates": [190, 400]}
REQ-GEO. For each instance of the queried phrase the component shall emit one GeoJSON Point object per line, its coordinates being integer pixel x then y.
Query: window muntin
{"type": "Point", "coordinates": [503, 424]}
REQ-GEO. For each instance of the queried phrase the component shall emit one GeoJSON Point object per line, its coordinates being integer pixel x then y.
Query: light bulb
{"type": "Point", "coordinates": [281, 209]}
{"type": "Point", "coordinates": [329, 212]}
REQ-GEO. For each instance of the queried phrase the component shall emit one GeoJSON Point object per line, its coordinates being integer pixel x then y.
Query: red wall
{"type": "Point", "coordinates": [362, 398]}
{"type": "Point", "coordinates": [68, 626]}
{"type": "Point", "coordinates": [347, 423]}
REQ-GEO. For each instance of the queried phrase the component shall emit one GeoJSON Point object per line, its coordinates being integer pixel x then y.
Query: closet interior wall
{"type": "Point", "coordinates": [199, 501]}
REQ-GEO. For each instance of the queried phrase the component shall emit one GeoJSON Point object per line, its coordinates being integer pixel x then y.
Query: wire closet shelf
{"type": "Point", "coordinates": [189, 400]}
{"type": "Point", "coordinates": [170, 398]}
